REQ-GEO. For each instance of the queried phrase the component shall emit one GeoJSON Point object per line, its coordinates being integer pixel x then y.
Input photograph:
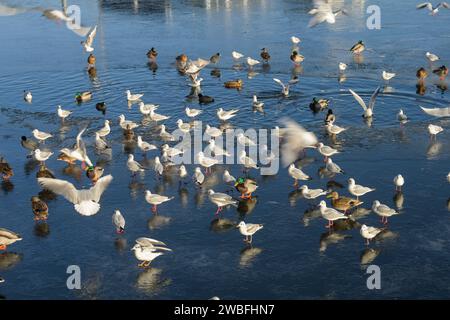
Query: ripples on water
{"type": "Point", "coordinates": [293, 256]}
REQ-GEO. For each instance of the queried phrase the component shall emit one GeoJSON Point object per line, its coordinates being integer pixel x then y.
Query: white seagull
{"type": "Point", "coordinates": [221, 200]}
{"type": "Point", "coordinates": [399, 181]}
{"type": "Point", "coordinates": [387, 75]}
{"type": "Point", "coordinates": [127, 124]}
{"type": "Point", "coordinates": [245, 141]}
{"type": "Point", "coordinates": [297, 174]}
{"type": "Point", "coordinates": [342, 66]}
{"type": "Point", "coordinates": [330, 214]}
{"type": "Point", "coordinates": [322, 12]}
{"type": "Point", "coordinates": [103, 132]}
{"type": "Point", "coordinates": [333, 167]}
{"type": "Point", "coordinates": [434, 130]}
{"type": "Point", "coordinates": [147, 250]}
{"type": "Point", "coordinates": [433, 10]}
{"type": "Point", "coordinates": [357, 190]}
{"type": "Point", "coordinates": [118, 221]}
{"type": "Point", "coordinates": [402, 117]}
{"type": "Point", "coordinates": [133, 165]}
{"type": "Point", "coordinates": [236, 55]}
{"type": "Point", "coordinates": [87, 45]}
{"type": "Point", "coordinates": [63, 113]}
{"type": "Point", "coordinates": [251, 62]}
{"type": "Point", "coordinates": [326, 151]}
{"type": "Point", "coordinates": [206, 161]}
{"type": "Point", "coordinates": [229, 179]}
{"type": "Point", "coordinates": [27, 96]}
{"type": "Point", "coordinates": [145, 146]}
{"type": "Point", "coordinates": [156, 199]}
{"type": "Point", "coordinates": [42, 156]}
{"type": "Point", "coordinates": [226, 115]}
{"type": "Point", "coordinates": [431, 56]}
{"type": "Point", "coordinates": [248, 230]}
{"type": "Point", "coordinates": [368, 110]}
{"type": "Point", "coordinates": [334, 129]}
{"type": "Point", "coordinates": [383, 211]}
{"type": "Point", "coordinates": [369, 233]}
{"type": "Point", "coordinates": [192, 113]}
{"type": "Point", "coordinates": [198, 176]}
{"type": "Point", "coordinates": [285, 87]}
{"type": "Point", "coordinates": [311, 194]}
{"type": "Point", "coordinates": [213, 131]}
{"type": "Point", "coordinates": [41, 135]}
{"type": "Point", "coordinates": [248, 162]}
{"type": "Point", "coordinates": [133, 97]}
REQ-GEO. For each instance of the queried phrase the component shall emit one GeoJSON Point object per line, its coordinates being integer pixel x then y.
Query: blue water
{"type": "Point", "coordinates": [292, 257]}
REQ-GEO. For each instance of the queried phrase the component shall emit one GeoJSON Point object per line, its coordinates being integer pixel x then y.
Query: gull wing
{"type": "Point", "coordinates": [149, 242]}
{"type": "Point", "coordinates": [296, 138]}
{"type": "Point", "coordinates": [279, 82]}
{"type": "Point", "coordinates": [374, 97]}
{"type": "Point", "coordinates": [437, 112]}
{"type": "Point", "coordinates": [91, 36]}
{"type": "Point", "coordinates": [101, 185]}
{"type": "Point", "coordinates": [427, 5]}
{"type": "Point", "coordinates": [359, 99]}
{"type": "Point", "coordinates": [61, 187]}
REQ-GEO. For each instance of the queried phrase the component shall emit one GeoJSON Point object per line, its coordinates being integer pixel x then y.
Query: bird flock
{"type": "Point", "coordinates": [294, 139]}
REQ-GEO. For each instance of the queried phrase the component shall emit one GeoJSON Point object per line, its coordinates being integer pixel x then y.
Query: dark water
{"type": "Point", "coordinates": [292, 257]}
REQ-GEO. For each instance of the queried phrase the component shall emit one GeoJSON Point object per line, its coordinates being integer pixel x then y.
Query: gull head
{"type": "Point", "coordinates": [292, 166]}
{"type": "Point", "coordinates": [322, 204]}
{"type": "Point", "coordinates": [121, 117]}
{"type": "Point", "coordinates": [242, 154]}
{"type": "Point", "coordinates": [363, 227]}
{"type": "Point", "coordinates": [211, 191]}
{"type": "Point", "coordinates": [198, 170]}
{"type": "Point", "coordinates": [320, 145]}
{"type": "Point", "coordinates": [148, 193]}
{"type": "Point", "coordinates": [304, 188]}
{"type": "Point", "coordinates": [130, 157]}
{"type": "Point", "coordinates": [376, 203]}
{"type": "Point", "coordinates": [179, 122]}
{"type": "Point", "coordinates": [157, 160]}
{"type": "Point", "coordinates": [351, 182]}
{"type": "Point", "coordinates": [107, 122]}
{"type": "Point", "coordinates": [136, 247]}
{"type": "Point", "coordinates": [241, 225]}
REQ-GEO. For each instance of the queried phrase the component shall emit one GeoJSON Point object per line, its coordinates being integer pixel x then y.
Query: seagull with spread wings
{"type": "Point", "coordinates": [87, 45]}
{"type": "Point", "coordinates": [368, 110]}
{"type": "Point", "coordinates": [322, 12]}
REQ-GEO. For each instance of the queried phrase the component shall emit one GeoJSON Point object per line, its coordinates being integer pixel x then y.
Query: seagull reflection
{"type": "Point", "coordinates": [238, 67]}
{"type": "Point", "coordinates": [150, 281]}
{"type": "Point", "coordinates": [246, 206]}
{"type": "Point", "coordinates": [368, 121]}
{"type": "Point", "coordinates": [184, 196]}
{"type": "Point", "coordinates": [328, 238]}
{"type": "Point", "coordinates": [193, 93]}
{"type": "Point", "coordinates": [220, 225]}
{"type": "Point", "coordinates": [359, 213]}
{"type": "Point", "coordinates": [136, 187]}
{"type": "Point", "coordinates": [342, 78]}
{"type": "Point", "coordinates": [251, 74]}
{"type": "Point", "coordinates": [294, 196]}
{"type": "Point", "coordinates": [434, 149]}
{"type": "Point", "coordinates": [248, 255]}
{"type": "Point", "coordinates": [310, 214]}
{"type": "Point", "coordinates": [41, 229]}
{"type": "Point", "coordinates": [368, 255]}
{"type": "Point", "coordinates": [30, 166]}
{"type": "Point", "coordinates": [386, 234]}
{"type": "Point", "coordinates": [215, 73]}
{"type": "Point", "coordinates": [9, 260]}
{"type": "Point", "coordinates": [399, 199]}
{"type": "Point", "coordinates": [120, 244]}
{"type": "Point", "coordinates": [157, 221]}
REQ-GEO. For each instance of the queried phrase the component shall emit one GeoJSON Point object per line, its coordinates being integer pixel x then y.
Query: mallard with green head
{"type": "Point", "coordinates": [358, 47]}
{"type": "Point", "coordinates": [318, 104]}
{"type": "Point", "coordinates": [83, 96]}
{"type": "Point", "coordinates": [246, 187]}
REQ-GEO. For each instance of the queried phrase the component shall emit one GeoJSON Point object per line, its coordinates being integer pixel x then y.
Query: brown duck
{"type": "Point", "coordinates": [40, 208]}
{"type": "Point", "coordinates": [234, 84]}
{"type": "Point", "coordinates": [265, 55]}
{"type": "Point", "coordinates": [152, 54]}
{"type": "Point", "coordinates": [5, 170]}
{"type": "Point", "coordinates": [44, 172]}
{"type": "Point", "coordinates": [91, 59]}
{"type": "Point", "coordinates": [343, 203]}
{"type": "Point", "coordinates": [421, 73]}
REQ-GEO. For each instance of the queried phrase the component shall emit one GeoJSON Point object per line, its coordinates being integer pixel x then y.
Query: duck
{"type": "Point", "coordinates": [40, 208]}
{"type": "Point", "coordinates": [101, 106]}
{"type": "Point", "coordinates": [421, 73]}
{"type": "Point", "coordinates": [442, 72]}
{"type": "Point", "coordinates": [27, 96]}
{"type": "Point", "coordinates": [234, 84]}
{"type": "Point", "coordinates": [128, 133]}
{"type": "Point", "coordinates": [94, 173]}
{"type": "Point", "coordinates": [318, 104]}
{"type": "Point", "coordinates": [202, 99]}
{"type": "Point", "coordinates": [343, 203]}
{"type": "Point", "coordinates": [330, 117]}
{"type": "Point", "coordinates": [83, 96]}
{"type": "Point", "coordinates": [66, 158]}
{"type": "Point", "coordinates": [152, 54]}
{"type": "Point", "coordinates": [7, 238]}
{"type": "Point", "coordinates": [28, 144]}
{"type": "Point", "coordinates": [358, 47]}
{"type": "Point", "coordinates": [296, 57]}
{"type": "Point", "coordinates": [265, 55]}
{"type": "Point", "coordinates": [91, 59]}
{"type": "Point", "coordinates": [246, 187]}
{"type": "Point", "coordinates": [5, 170]}
{"type": "Point", "coordinates": [44, 172]}
{"type": "Point", "coordinates": [215, 58]}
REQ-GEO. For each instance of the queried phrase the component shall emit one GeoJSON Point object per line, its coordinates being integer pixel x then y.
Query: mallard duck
{"type": "Point", "coordinates": [7, 238]}
{"type": "Point", "coordinates": [421, 73]}
{"type": "Point", "coordinates": [215, 58]}
{"type": "Point", "coordinates": [40, 208]}
{"type": "Point", "coordinates": [152, 54]}
{"type": "Point", "coordinates": [265, 55]}
{"type": "Point", "coordinates": [128, 133]}
{"type": "Point", "coordinates": [44, 172]}
{"type": "Point", "coordinates": [5, 170]}
{"type": "Point", "coordinates": [205, 99]}
{"type": "Point", "coordinates": [318, 104]}
{"type": "Point", "coordinates": [28, 144]}
{"type": "Point", "coordinates": [343, 203]}
{"type": "Point", "coordinates": [83, 96]}
{"type": "Point", "coordinates": [442, 72]}
{"type": "Point", "coordinates": [246, 187]}
{"type": "Point", "coordinates": [234, 84]}
{"type": "Point", "coordinates": [66, 158]}
{"type": "Point", "coordinates": [358, 47]}
{"type": "Point", "coordinates": [91, 59]}
{"type": "Point", "coordinates": [94, 173]}
{"type": "Point", "coordinates": [330, 117]}
{"type": "Point", "coordinates": [101, 106]}
{"type": "Point", "coordinates": [297, 58]}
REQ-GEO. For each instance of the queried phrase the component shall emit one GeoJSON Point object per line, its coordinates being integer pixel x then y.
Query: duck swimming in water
{"type": "Point", "coordinates": [202, 99]}
{"type": "Point", "coordinates": [234, 84]}
{"type": "Point", "coordinates": [5, 170]}
{"type": "Point", "coordinates": [358, 47]}
{"type": "Point", "coordinates": [297, 58]}
{"type": "Point", "coordinates": [442, 72]}
{"type": "Point", "coordinates": [152, 54]}
{"type": "Point", "coordinates": [91, 59]}
{"type": "Point", "coordinates": [265, 56]}
{"type": "Point", "coordinates": [421, 73]}
{"type": "Point", "coordinates": [83, 96]}
{"type": "Point", "coordinates": [318, 105]}
{"type": "Point", "coordinates": [101, 106]}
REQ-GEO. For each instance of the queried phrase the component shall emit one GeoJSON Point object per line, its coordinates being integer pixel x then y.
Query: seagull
{"type": "Point", "coordinates": [387, 75]}
{"type": "Point", "coordinates": [79, 151]}
{"type": "Point", "coordinates": [27, 96]}
{"type": "Point", "coordinates": [40, 135]}
{"type": "Point", "coordinates": [147, 250]}
{"type": "Point", "coordinates": [322, 12]}
{"type": "Point", "coordinates": [251, 62]}
{"type": "Point", "coordinates": [369, 233]}
{"type": "Point", "coordinates": [192, 113]}
{"type": "Point", "coordinates": [399, 181]}
{"type": "Point", "coordinates": [217, 150]}
{"type": "Point", "coordinates": [368, 111]}
{"type": "Point", "coordinates": [434, 130]}
{"type": "Point", "coordinates": [236, 55]}
{"type": "Point", "coordinates": [295, 140]}
{"type": "Point", "coordinates": [226, 115]}
{"type": "Point", "coordinates": [437, 112]}
{"type": "Point", "coordinates": [206, 161]}
{"type": "Point", "coordinates": [184, 127]}
{"type": "Point", "coordinates": [166, 135]}
{"type": "Point", "coordinates": [266, 156]}
{"type": "Point", "coordinates": [333, 167]}
{"type": "Point", "coordinates": [63, 113]}
{"type": "Point", "coordinates": [383, 211]}
{"type": "Point", "coordinates": [146, 109]}
{"type": "Point", "coordinates": [221, 200]}
{"type": "Point", "coordinates": [157, 117]}
{"type": "Point", "coordinates": [311, 194]}
{"type": "Point", "coordinates": [285, 88]}
{"type": "Point", "coordinates": [158, 167]}
{"type": "Point", "coordinates": [183, 172]}
{"type": "Point", "coordinates": [42, 156]}
{"type": "Point", "coordinates": [213, 131]}
{"type": "Point", "coordinates": [133, 97]}
{"type": "Point", "coordinates": [326, 151]}
{"type": "Point", "coordinates": [145, 146]}
{"type": "Point", "coordinates": [257, 104]}
{"type": "Point", "coordinates": [103, 132]}
{"type": "Point", "coordinates": [100, 144]}
{"type": "Point", "coordinates": [198, 176]}
{"type": "Point", "coordinates": [195, 81]}
{"type": "Point", "coordinates": [245, 141]}
{"type": "Point", "coordinates": [330, 214]}
{"type": "Point", "coordinates": [342, 66]}
{"type": "Point", "coordinates": [118, 221]}
{"type": "Point", "coordinates": [334, 129]}
{"type": "Point", "coordinates": [433, 10]}
{"type": "Point", "coordinates": [295, 40]}
{"type": "Point", "coordinates": [401, 116]}
{"type": "Point", "coordinates": [248, 230]}
{"type": "Point", "coordinates": [228, 178]}
{"type": "Point", "coordinates": [297, 174]}
{"type": "Point", "coordinates": [155, 199]}
{"type": "Point", "coordinates": [431, 56]}
{"type": "Point", "coordinates": [133, 165]}
{"type": "Point", "coordinates": [248, 162]}
{"type": "Point", "coordinates": [86, 201]}
{"type": "Point", "coordinates": [358, 190]}
{"type": "Point", "coordinates": [127, 124]}
{"type": "Point", "coordinates": [171, 152]}
{"type": "Point", "coordinates": [87, 45]}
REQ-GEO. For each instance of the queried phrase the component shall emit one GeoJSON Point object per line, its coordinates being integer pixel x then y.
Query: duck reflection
{"type": "Point", "coordinates": [73, 171]}
{"type": "Point", "coordinates": [358, 59]}
{"type": "Point", "coordinates": [152, 66]}
{"type": "Point", "coordinates": [220, 225]}
{"type": "Point", "coordinates": [9, 260]}
{"type": "Point", "coordinates": [120, 244]}
{"type": "Point", "coordinates": [7, 186]}
{"type": "Point", "coordinates": [215, 73]}
{"type": "Point", "coordinates": [421, 89]}
{"type": "Point", "coordinates": [150, 281]}
{"type": "Point", "coordinates": [333, 237]}
{"type": "Point", "coordinates": [368, 255]}
{"type": "Point", "coordinates": [157, 221]}
{"type": "Point", "coordinates": [30, 166]}
{"type": "Point", "coordinates": [248, 255]}
{"type": "Point", "coordinates": [246, 206]}
{"type": "Point", "coordinates": [347, 224]}
{"type": "Point", "coordinates": [41, 229]}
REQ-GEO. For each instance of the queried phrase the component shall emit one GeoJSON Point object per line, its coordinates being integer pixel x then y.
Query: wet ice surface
{"type": "Point", "coordinates": [293, 256]}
